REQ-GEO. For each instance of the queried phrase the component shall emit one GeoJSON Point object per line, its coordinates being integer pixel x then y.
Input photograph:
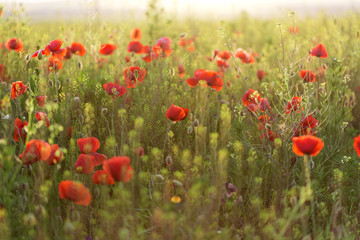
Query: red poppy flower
{"type": "Point", "coordinates": [222, 63]}
{"type": "Point", "coordinates": [19, 130]}
{"type": "Point", "coordinates": [319, 51]}
{"type": "Point", "coordinates": [55, 156]}
{"type": "Point", "coordinates": [107, 48]}
{"type": "Point", "coordinates": [44, 52]}
{"type": "Point", "coordinates": [175, 113]}
{"type": "Point", "coordinates": [119, 168]}
{"type": "Point", "coordinates": [307, 144]}
{"type": "Point", "coordinates": [54, 64]}
{"type": "Point", "coordinates": [293, 29]}
{"type": "Point", "coordinates": [263, 120]}
{"type": "Point", "coordinates": [139, 151]}
{"type": "Point", "coordinates": [41, 116]}
{"type": "Point", "coordinates": [306, 126]}
{"type": "Point", "coordinates": [135, 34]}
{"type": "Point", "coordinates": [251, 97]}
{"type": "Point", "coordinates": [84, 164]}
{"type": "Point", "coordinates": [2, 70]}
{"type": "Point", "coordinates": [294, 105]}
{"type": "Point", "coordinates": [264, 104]}
{"type": "Point", "coordinates": [260, 74]}
{"type": "Point", "coordinates": [18, 89]}
{"type": "Point", "coordinates": [101, 62]}
{"type": "Point", "coordinates": [181, 71]}
{"type": "Point", "coordinates": [74, 191]}
{"type": "Point", "coordinates": [98, 158]}
{"type": "Point", "coordinates": [253, 107]}
{"type": "Point", "coordinates": [357, 145]}
{"type": "Point", "coordinates": [60, 54]}
{"type": "Point", "coordinates": [88, 145]}
{"type": "Point", "coordinates": [55, 45]}
{"type": "Point", "coordinates": [78, 49]}
{"type": "Point", "coordinates": [36, 150]}
{"type": "Point", "coordinates": [69, 132]}
{"type": "Point", "coordinates": [133, 75]}
{"type": "Point", "coordinates": [269, 135]}
{"type": "Point", "coordinates": [14, 44]}
{"type": "Point", "coordinates": [184, 42]}
{"type": "Point", "coordinates": [68, 54]}
{"type": "Point", "coordinates": [212, 78]}
{"type": "Point", "coordinates": [244, 56]}
{"type": "Point", "coordinates": [41, 100]}
{"type": "Point", "coordinates": [136, 47]}
{"type": "Point", "coordinates": [3, 77]}
{"type": "Point", "coordinates": [151, 53]}
{"type": "Point", "coordinates": [307, 76]}
{"type": "Point", "coordinates": [164, 44]}
{"type": "Point", "coordinates": [102, 177]}
{"type": "Point", "coordinates": [114, 89]}
{"type": "Point", "coordinates": [215, 53]}
{"type": "Point", "coordinates": [191, 49]}
{"type": "Point", "coordinates": [225, 55]}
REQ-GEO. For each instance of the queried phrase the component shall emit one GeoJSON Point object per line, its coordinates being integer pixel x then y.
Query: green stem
{"type": "Point", "coordinates": [307, 172]}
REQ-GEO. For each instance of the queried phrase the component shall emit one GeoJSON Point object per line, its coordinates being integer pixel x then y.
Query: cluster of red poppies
{"type": "Point", "coordinates": [211, 78]}
{"type": "Point", "coordinates": [161, 48]}
{"type": "Point", "coordinates": [115, 169]}
{"type": "Point", "coordinates": [308, 75]}
{"type": "Point", "coordinates": [188, 44]}
{"type": "Point", "coordinates": [59, 54]}
{"type": "Point", "coordinates": [253, 101]}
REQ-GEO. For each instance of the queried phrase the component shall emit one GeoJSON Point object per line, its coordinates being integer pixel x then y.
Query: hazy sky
{"type": "Point", "coordinates": [219, 9]}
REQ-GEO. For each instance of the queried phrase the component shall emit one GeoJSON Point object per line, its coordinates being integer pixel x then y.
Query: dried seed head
{"type": "Point", "coordinates": [169, 161]}
{"type": "Point", "coordinates": [196, 123]}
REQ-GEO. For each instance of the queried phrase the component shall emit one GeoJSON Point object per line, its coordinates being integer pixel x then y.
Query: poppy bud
{"type": "Point", "coordinates": [168, 161]}
{"type": "Point", "coordinates": [50, 83]}
{"type": "Point", "coordinates": [23, 201]}
{"type": "Point", "coordinates": [40, 210]}
{"type": "Point", "coordinates": [69, 227]}
{"type": "Point", "coordinates": [177, 183]}
{"type": "Point", "coordinates": [58, 83]}
{"type": "Point", "coordinates": [29, 220]}
{"type": "Point", "coordinates": [196, 123]}
{"type": "Point", "coordinates": [172, 72]}
{"type": "Point", "coordinates": [312, 164]}
{"type": "Point", "coordinates": [104, 110]}
{"type": "Point", "coordinates": [240, 200]}
{"type": "Point", "coordinates": [77, 100]}
{"type": "Point", "coordinates": [183, 35]}
{"type": "Point", "coordinates": [39, 56]}
{"type": "Point", "coordinates": [79, 65]}
{"type": "Point", "coordinates": [28, 58]}
{"type": "Point", "coordinates": [159, 177]}
{"type": "Point", "coordinates": [190, 129]}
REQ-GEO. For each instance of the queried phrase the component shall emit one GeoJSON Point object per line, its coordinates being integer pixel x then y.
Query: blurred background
{"type": "Point", "coordinates": [40, 10]}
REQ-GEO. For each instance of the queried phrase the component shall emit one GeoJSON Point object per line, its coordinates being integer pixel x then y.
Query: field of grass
{"type": "Point", "coordinates": [220, 166]}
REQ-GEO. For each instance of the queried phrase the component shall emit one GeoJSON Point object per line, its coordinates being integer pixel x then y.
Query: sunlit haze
{"type": "Point", "coordinates": [204, 9]}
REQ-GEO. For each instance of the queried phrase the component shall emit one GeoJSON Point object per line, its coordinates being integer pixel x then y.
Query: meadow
{"type": "Point", "coordinates": [180, 129]}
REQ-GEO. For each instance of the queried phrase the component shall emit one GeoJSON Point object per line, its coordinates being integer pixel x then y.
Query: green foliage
{"type": "Point", "coordinates": [218, 143]}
